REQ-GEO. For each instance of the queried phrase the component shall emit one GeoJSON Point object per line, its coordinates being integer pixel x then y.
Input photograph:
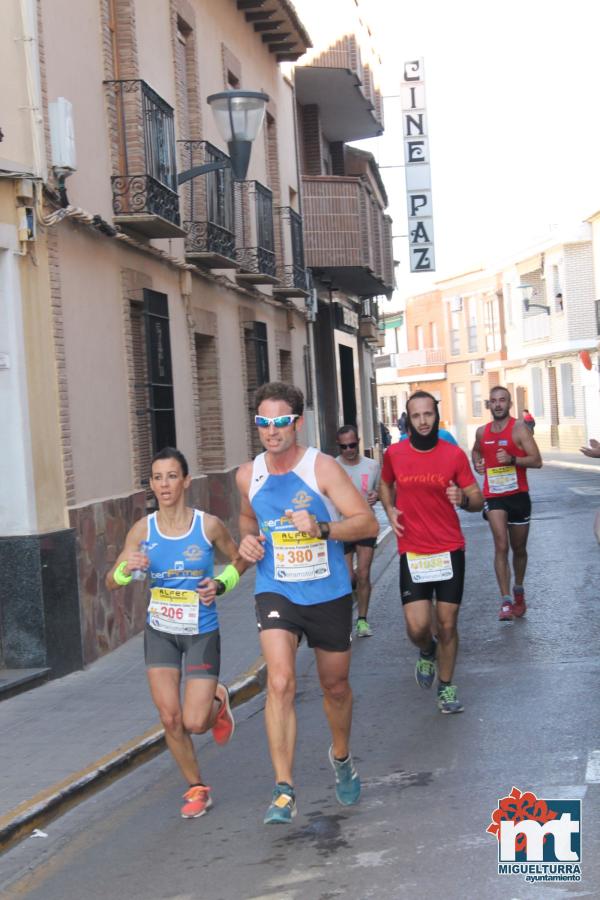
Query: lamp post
{"type": "Point", "coordinates": [238, 116]}
{"type": "Point", "coordinates": [528, 293]}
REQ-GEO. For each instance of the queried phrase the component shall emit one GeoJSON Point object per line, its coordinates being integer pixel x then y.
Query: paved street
{"type": "Point", "coordinates": [431, 782]}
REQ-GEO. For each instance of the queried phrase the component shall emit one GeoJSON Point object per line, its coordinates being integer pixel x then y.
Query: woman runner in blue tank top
{"type": "Point", "coordinates": [174, 546]}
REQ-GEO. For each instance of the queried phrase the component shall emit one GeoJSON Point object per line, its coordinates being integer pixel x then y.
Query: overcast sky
{"type": "Point", "coordinates": [514, 121]}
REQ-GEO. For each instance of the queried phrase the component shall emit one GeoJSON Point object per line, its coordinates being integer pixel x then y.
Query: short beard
{"type": "Point", "coordinates": [424, 441]}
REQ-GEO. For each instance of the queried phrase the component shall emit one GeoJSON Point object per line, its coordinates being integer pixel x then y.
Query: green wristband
{"type": "Point", "coordinates": [119, 576]}
{"type": "Point", "coordinates": [228, 577]}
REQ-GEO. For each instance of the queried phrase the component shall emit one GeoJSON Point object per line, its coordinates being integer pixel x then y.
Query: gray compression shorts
{"type": "Point", "coordinates": [165, 651]}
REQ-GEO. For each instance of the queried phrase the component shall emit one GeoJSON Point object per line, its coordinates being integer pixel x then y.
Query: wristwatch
{"type": "Point", "coordinates": [323, 530]}
{"type": "Point", "coordinates": [221, 587]}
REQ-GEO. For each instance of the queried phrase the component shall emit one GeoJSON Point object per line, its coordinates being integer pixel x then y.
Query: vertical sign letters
{"type": "Point", "coordinates": [418, 175]}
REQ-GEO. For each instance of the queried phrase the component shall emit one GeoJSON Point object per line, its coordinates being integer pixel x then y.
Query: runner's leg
{"type": "Point", "coordinates": [349, 557]}
{"type": "Point", "coordinates": [418, 620]}
{"type": "Point", "coordinates": [498, 519]}
{"type": "Point", "coordinates": [200, 706]}
{"type": "Point", "coordinates": [447, 618]}
{"type": "Point", "coordinates": [164, 688]}
{"type": "Point", "coordinates": [279, 651]}
{"type": "Point", "coordinates": [364, 557]}
{"type": "Point", "coordinates": [518, 541]}
{"type": "Point", "coordinates": [334, 669]}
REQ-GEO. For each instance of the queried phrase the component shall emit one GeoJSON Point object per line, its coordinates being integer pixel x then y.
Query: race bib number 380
{"type": "Point", "coordinates": [299, 557]}
{"type": "Point", "coordinates": [429, 567]}
{"type": "Point", "coordinates": [173, 611]}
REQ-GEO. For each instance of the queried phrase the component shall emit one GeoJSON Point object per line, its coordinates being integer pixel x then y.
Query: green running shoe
{"type": "Point", "coordinates": [447, 700]}
{"type": "Point", "coordinates": [347, 782]}
{"type": "Point", "coordinates": [283, 805]}
{"type": "Point", "coordinates": [425, 672]}
{"type": "Point", "coordinates": [363, 629]}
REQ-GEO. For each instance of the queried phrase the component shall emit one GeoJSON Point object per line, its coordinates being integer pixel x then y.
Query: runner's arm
{"type": "Point", "coordinates": [251, 549]}
{"type": "Point", "coordinates": [359, 520]}
{"type": "Point", "coordinates": [476, 454]}
{"type": "Point", "coordinates": [387, 495]}
{"type": "Point", "coordinates": [130, 553]}
{"type": "Point", "coordinates": [219, 536]}
{"type": "Point", "coordinates": [524, 439]}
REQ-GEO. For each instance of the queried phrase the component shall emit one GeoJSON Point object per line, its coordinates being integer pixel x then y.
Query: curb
{"type": "Point", "coordinates": [56, 800]}
{"type": "Point", "coordinates": [565, 464]}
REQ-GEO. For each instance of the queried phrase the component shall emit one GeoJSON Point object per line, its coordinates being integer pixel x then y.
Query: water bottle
{"type": "Point", "coordinates": [140, 574]}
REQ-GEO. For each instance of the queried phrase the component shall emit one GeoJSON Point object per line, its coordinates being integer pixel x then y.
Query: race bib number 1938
{"type": "Point", "coordinates": [429, 567]}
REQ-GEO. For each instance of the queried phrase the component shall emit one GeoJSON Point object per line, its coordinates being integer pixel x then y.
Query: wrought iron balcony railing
{"type": "Point", "coordinates": [142, 138]}
{"type": "Point", "coordinates": [291, 270]}
{"type": "Point", "coordinates": [208, 208]}
{"type": "Point", "coordinates": [255, 236]}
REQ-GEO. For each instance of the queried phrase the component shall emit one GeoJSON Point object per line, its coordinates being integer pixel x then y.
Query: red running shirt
{"type": "Point", "coordinates": [501, 481]}
{"type": "Point", "coordinates": [430, 521]}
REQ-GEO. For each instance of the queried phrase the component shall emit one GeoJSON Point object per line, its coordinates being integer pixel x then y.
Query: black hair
{"type": "Point", "coordinates": [345, 429]}
{"type": "Point", "coordinates": [499, 387]}
{"type": "Point", "coordinates": [281, 390]}
{"type": "Point", "coordinates": [172, 453]}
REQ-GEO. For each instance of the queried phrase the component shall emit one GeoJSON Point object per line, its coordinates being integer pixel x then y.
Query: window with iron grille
{"type": "Point", "coordinates": [257, 371]}
{"type": "Point", "coordinates": [394, 410]}
{"type": "Point", "coordinates": [160, 377]}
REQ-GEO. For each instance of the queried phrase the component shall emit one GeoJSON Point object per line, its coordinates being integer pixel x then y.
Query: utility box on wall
{"type": "Point", "coordinates": [62, 135]}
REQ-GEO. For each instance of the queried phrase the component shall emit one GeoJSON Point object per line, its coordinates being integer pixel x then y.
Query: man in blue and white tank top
{"type": "Point", "coordinates": [293, 499]}
{"type": "Point", "coordinates": [174, 546]}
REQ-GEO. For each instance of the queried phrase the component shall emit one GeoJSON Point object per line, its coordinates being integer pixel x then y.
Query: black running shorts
{"type": "Point", "coordinates": [327, 626]}
{"type": "Point", "coordinates": [364, 542]}
{"type": "Point", "coordinates": [516, 506]}
{"type": "Point", "coordinates": [165, 651]}
{"type": "Point", "coordinates": [449, 591]}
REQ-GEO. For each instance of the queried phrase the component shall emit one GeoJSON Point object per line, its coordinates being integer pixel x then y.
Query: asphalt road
{"type": "Point", "coordinates": [430, 782]}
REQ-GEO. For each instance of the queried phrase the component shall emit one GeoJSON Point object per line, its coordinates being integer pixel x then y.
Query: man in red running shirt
{"type": "Point", "coordinates": [429, 478]}
{"type": "Point", "coordinates": [503, 450]}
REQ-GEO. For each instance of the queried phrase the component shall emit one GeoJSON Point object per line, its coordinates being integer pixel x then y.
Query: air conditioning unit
{"type": "Point", "coordinates": [456, 304]}
{"type": "Point", "coordinates": [477, 366]}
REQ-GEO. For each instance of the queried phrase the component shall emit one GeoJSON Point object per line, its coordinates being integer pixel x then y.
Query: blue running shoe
{"type": "Point", "coordinates": [448, 701]}
{"type": "Point", "coordinates": [425, 668]}
{"type": "Point", "coordinates": [347, 782]}
{"type": "Point", "coordinates": [283, 805]}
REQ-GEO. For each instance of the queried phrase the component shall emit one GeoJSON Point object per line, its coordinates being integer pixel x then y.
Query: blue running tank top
{"type": "Point", "coordinates": [305, 570]}
{"type": "Point", "coordinates": [177, 564]}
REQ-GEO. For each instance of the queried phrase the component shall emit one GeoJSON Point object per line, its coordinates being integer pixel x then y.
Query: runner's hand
{"type": "Point", "coordinates": [454, 494]}
{"type": "Point", "coordinates": [397, 526]}
{"type": "Point", "coordinates": [136, 560]}
{"type": "Point", "coordinates": [302, 520]}
{"type": "Point", "coordinates": [503, 457]}
{"type": "Point", "coordinates": [207, 590]}
{"type": "Point", "coordinates": [251, 548]}
{"type": "Point", "coordinates": [372, 498]}
{"type": "Point", "coordinates": [480, 466]}
{"type": "Point", "coordinates": [593, 450]}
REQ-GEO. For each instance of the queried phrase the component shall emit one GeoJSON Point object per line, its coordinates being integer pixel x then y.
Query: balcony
{"type": "Point", "coordinates": [208, 211]}
{"type": "Point", "coordinates": [255, 236]}
{"type": "Point", "coordinates": [290, 270]}
{"type": "Point", "coordinates": [413, 358]}
{"type": "Point", "coordinates": [347, 236]}
{"type": "Point", "coordinates": [142, 140]}
{"type": "Point", "coordinates": [343, 88]}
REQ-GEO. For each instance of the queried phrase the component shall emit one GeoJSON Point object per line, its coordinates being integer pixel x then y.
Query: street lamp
{"type": "Point", "coordinates": [238, 116]}
{"type": "Point", "coordinates": [528, 293]}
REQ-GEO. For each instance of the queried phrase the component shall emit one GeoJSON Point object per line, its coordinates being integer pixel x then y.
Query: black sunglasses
{"type": "Point", "coordinates": [351, 446]}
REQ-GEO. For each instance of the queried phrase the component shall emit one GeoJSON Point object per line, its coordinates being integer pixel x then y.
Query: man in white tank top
{"type": "Point", "coordinates": [291, 501]}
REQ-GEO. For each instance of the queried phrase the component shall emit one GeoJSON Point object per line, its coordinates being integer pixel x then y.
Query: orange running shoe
{"type": "Point", "coordinates": [198, 801]}
{"type": "Point", "coordinates": [224, 725]}
{"type": "Point", "coordinates": [519, 605]}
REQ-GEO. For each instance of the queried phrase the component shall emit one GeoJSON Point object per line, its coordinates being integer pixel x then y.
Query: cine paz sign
{"type": "Point", "coordinates": [417, 168]}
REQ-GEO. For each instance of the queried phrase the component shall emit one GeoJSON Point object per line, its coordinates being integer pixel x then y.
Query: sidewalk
{"type": "Point", "coordinates": [69, 736]}
{"type": "Point", "coordinates": [570, 461]}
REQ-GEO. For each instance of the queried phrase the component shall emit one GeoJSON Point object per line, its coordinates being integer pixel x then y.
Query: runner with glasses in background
{"type": "Point", "coordinates": [364, 473]}
{"type": "Point", "coordinates": [298, 506]}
